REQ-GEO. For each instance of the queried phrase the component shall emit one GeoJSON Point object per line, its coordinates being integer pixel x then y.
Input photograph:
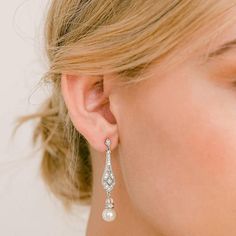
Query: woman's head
{"type": "Point", "coordinates": [142, 73]}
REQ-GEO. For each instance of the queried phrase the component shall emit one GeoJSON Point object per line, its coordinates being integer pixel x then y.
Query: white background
{"type": "Point", "coordinates": [26, 206]}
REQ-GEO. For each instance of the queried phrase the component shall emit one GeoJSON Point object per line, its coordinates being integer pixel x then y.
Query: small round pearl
{"type": "Point", "coordinates": [108, 214]}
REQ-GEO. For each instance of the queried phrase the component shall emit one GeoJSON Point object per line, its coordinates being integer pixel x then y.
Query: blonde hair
{"type": "Point", "coordinates": [97, 37]}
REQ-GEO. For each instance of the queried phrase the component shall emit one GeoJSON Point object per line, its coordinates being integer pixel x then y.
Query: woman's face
{"type": "Point", "coordinates": [177, 145]}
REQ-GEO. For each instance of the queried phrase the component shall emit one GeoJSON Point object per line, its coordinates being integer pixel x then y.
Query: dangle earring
{"type": "Point", "coordinates": [108, 182]}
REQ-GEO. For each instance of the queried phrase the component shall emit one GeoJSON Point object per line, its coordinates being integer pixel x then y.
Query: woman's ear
{"type": "Point", "coordinates": [89, 109]}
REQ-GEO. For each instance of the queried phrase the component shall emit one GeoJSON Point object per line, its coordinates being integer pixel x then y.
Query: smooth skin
{"type": "Point", "coordinates": [173, 147]}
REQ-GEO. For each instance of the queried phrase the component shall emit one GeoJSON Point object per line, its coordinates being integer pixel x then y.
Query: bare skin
{"type": "Point", "coordinates": [173, 148]}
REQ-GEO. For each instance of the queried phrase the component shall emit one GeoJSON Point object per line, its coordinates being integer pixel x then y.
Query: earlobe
{"type": "Point", "coordinates": [89, 109]}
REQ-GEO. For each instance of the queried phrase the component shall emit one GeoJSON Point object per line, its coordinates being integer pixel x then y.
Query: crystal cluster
{"type": "Point", "coordinates": [108, 178]}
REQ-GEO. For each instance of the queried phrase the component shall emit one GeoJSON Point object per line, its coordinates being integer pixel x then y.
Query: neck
{"type": "Point", "coordinates": [128, 221]}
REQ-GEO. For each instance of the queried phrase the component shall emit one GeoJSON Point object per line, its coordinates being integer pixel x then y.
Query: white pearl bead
{"type": "Point", "coordinates": [108, 214]}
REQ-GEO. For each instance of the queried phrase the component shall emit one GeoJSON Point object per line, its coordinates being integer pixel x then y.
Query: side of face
{"type": "Point", "coordinates": [178, 148]}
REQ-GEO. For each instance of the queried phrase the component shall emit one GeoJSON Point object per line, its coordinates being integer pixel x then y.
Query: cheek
{"type": "Point", "coordinates": [178, 157]}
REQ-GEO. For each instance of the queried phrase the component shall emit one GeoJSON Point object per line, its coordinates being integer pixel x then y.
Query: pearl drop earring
{"type": "Point", "coordinates": [108, 182]}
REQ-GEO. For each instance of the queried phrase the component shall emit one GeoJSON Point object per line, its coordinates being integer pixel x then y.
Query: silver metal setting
{"type": "Point", "coordinates": [108, 183]}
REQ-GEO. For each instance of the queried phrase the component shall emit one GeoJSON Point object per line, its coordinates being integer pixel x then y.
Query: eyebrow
{"type": "Point", "coordinates": [223, 49]}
